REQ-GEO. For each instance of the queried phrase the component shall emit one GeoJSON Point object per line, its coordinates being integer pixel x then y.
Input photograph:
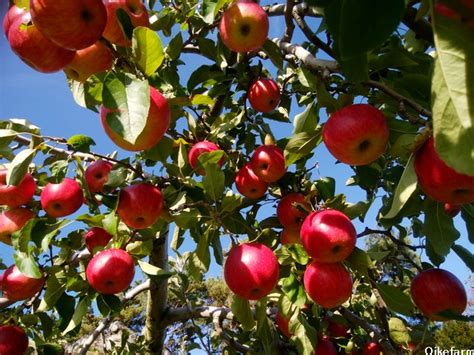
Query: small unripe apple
{"type": "Point", "coordinates": [89, 61]}
{"type": "Point", "coordinates": [12, 221]}
{"type": "Point", "coordinates": [140, 205]}
{"type": "Point", "coordinates": [13, 340]}
{"type": "Point", "coordinates": [157, 123]}
{"type": "Point", "coordinates": [451, 210]}
{"type": "Point", "coordinates": [282, 324]}
{"type": "Point", "coordinates": [249, 184]}
{"type": "Point", "coordinates": [356, 134]}
{"type": "Point", "coordinates": [328, 236]}
{"type": "Point", "coordinates": [290, 235]}
{"type": "Point", "coordinates": [17, 286]}
{"type": "Point", "coordinates": [198, 149]}
{"type": "Point", "coordinates": [244, 27]}
{"type": "Point", "coordinates": [372, 348]}
{"type": "Point", "coordinates": [438, 180]}
{"type": "Point", "coordinates": [264, 95]}
{"type": "Point", "coordinates": [329, 285]}
{"type": "Point", "coordinates": [435, 291]}
{"type": "Point", "coordinates": [62, 199]}
{"type": "Point", "coordinates": [15, 196]}
{"type": "Point", "coordinates": [325, 346]}
{"type": "Point", "coordinates": [97, 174]}
{"type": "Point", "coordinates": [111, 271]}
{"type": "Point", "coordinates": [96, 237]}
{"type": "Point", "coordinates": [251, 270]}
{"type": "Point", "coordinates": [289, 213]}
{"type": "Point", "coordinates": [13, 12]}
{"type": "Point", "coordinates": [268, 163]}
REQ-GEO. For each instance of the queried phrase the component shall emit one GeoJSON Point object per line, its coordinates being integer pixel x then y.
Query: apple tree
{"type": "Point", "coordinates": [222, 110]}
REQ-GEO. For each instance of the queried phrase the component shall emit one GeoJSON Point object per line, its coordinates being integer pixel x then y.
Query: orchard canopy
{"type": "Point", "coordinates": [233, 121]}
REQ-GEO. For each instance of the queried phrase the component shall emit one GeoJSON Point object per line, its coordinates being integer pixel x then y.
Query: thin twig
{"type": "Point", "coordinates": [290, 26]}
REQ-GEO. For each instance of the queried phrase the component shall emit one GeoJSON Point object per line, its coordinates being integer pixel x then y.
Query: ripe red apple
{"type": "Point", "coordinates": [62, 199]}
{"type": "Point", "coordinates": [140, 205]}
{"type": "Point", "coordinates": [17, 286]}
{"type": "Point", "coordinates": [135, 10]}
{"type": "Point", "coordinates": [13, 220]}
{"type": "Point", "coordinates": [289, 213]}
{"type": "Point", "coordinates": [13, 340]}
{"type": "Point", "coordinates": [268, 163]}
{"type": "Point", "coordinates": [34, 48]}
{"type": "Point", "coordinates": [439, 181]}
{"type": "Point", "coordinates": [15, 196]}
{"type": "Point", "coordinates": [451, 210]}
{"type": "Point", "coordinates": [96, 237]}
{"type": "Point", "coordinates": [70, 24]}
{"type": "Point", "coordinates": [264, 95]}
{"type": "Point", "coordinates": [325, 346]}
{"type": "Point", "coordinates": [198, 149]}
{"type": "Point", "coordinates": [356, 134]}
{"type": "Point", "coordinates": [328, 236]}
{"type": "Point", "coordinates": [435, 291]}
{"type": "Point", "coordinates": [97, 174]}
{"type": "Point", "coordinates": [110, 271]}
{"type": "Point", "coordinates": [249, 184]}
{"type": "Point", "coordinates": [156, 124]}
{"type": "Point", "coordinates": [251, 270]}
{"type": "Point", "coordinates": [244, 27]}
{"type": "Point", "coordinates": [89, 61]}
{"type": "Point", "coordinates": [329, 285]}
{"type": "Point", "coordinates": [290, 235]}
{"type": "Point", "coordinates": [13, 13]}
{"type": "Point", "coordinates": [282, 324]}
{"type": "Point", "coordinates": [337, 327]}
{"type": "Point", "coordinates": [372, 348]}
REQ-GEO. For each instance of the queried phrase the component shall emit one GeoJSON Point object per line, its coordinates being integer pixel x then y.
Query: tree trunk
{"type": "Point", "coordinates": [155, 332]}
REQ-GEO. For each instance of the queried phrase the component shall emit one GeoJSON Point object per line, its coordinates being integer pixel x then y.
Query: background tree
{"type": "Point", "coordinates": [394, 81]}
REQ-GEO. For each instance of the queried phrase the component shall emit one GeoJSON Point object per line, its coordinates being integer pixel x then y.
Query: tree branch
{"type": "Point", "coordinates": [217, 321]}
{"type": "Point", "coordinates": [290, 26]}
{"type": "Point", "coordinates": [303, 9]}
{"type": "Point", "coordinates": [184, 313]}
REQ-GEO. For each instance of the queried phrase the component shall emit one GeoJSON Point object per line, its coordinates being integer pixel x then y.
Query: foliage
{"type": "Point", "coordinates": [455, 334]}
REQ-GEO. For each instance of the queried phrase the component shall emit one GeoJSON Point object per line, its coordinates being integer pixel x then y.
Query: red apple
{"type": "Point", "coordinates": [13, 220]}
{"type": "Point", "coordinates": [198, 149]}
{"type": "Point", "coordinates": [13, 340]}
{"type": "Point", "coordinates": [17, 286]}
{"type": "Point", "coordinates": [90, 61]}
{"type": "Point", "coordinates": [372, 348]}
{"type": "Point", "coordinates": [264, 95]}
{"type": "Point", "coordinates": [439, 181]}
{"type": "Point", "coordinates": [134, 9]}
{"type": "Point", "coordinates": [249, 184]}
{"type": "Point", "coordinates": [251, 270]}
{"type": "Point", "coordinates": [290, 235]}
{"type": "Point", "coordinates": [282, 324]}
{"type": "Point", "coordinates": [244, 27]}
{"type": "Point", "coordinates": [356, 134]}
{"type": "Point", "coordinates": [62, 199]}
{"type": "Point", "coordinates": [97, 174]}
{"type": "Point", "coordinates": [443, 10]}
{"type": "Point", "coordinates": [337, 330]}
{"type": "Point", "coordinates": [452, 210]}
{"type": "Point", "coordinates": [140, 205]}
{"type": "Point", "coordinates": [15, 196]}
{"type": "Point", "coordinates": [96, 237]}
{"type": "Point", "coordinates": [34, 48]}
{"type": "Point", "coordinates": [70, 24]}
{"type": "Point", "coordinates": [289, 213]}
{"type": "Point", "coordinates": [329, 285]}
{"type": "Point", "coordinates": [435, 291]}
{"type": "Point", "coordinates": [13, 13]}
{"type": "Point", "coordinates": [156, 124]}
{"type": "Point", "coordinates": [325, 346]}
{"type": "Point", "coordinates": [268, 163]}
{"type": "Point", "coordinates": [328, 236]}
{"type": "Point", "coordinates": [110, 271]}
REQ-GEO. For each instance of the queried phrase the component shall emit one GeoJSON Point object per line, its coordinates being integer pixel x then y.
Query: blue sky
{"type": "Point", "coordinates": [46, 101]}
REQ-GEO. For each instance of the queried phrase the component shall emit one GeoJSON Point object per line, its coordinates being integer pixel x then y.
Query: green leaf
{"type": "Point", "coordinates": [210, 8]}
{"type": "Point", "coordinates": [110, 223]}
{"type": "Point", "coordinates": [264, 327]}
{"type": "Point", "coordinates": [274, 53]}
{"type": "Point", "coordinates": [154, 271]}
{"type": "Point", "coordinates": [27, 264]}
{"type": "Point", "coordinates": [86, 95]}
{"type": "Point", "coordinates": [301, 145]}
{"type": "Point", "coordinates": [18, 168]}
{"type": "Point", "coordinates": [396, 299]}
{"type": "Point", "coordinates": [452, 96]}
{"type": "Point", "coordinates": [398, 331]}
{"type": "Point", "coordinates": [80, 143]}
{"type": "Point", "coordinates": [200, 260]}
{"type": "Point", "coordinates": [128, 100]}
{"type": "Point", "coordinates": [7, 136]}
{"type": "Point", "coordinates": [360, 261]}
{"type": "Point", "coordinates": [213, 182]}
{"type": "Point", "coordinates": [326, 187]}
{"type": "Point", "coordinates": [405, 188]}
{"type": "Point", "coordinates": [439, 227]}
{"type": "Point", "coordinates": [200, 99]}
{"type": "Point", "coordinates": [125, 22]}
{"type": "Point", "coordinates": [307, 78]}
{"type": "Point", "coordinates": [173, 50]}
{"type": "Point", "coordinates": [465, 256]}
{"type": "Point", "coordinates": [306, 121]}
{"type": "Point", "coordinates": [79, 313]}
{"type": "Point", "coordinates": [147, 50]}
{"type": "Point", "coordinates": [241, 309]}
{"type": "Point", "coordinates": [304, 335]}
{"type": "Point", "coordinates": [467, 214]}
{"type": "Point", "coordinates": [54, 291]}
{"type": "Point", "coordinates": [230, 202]}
